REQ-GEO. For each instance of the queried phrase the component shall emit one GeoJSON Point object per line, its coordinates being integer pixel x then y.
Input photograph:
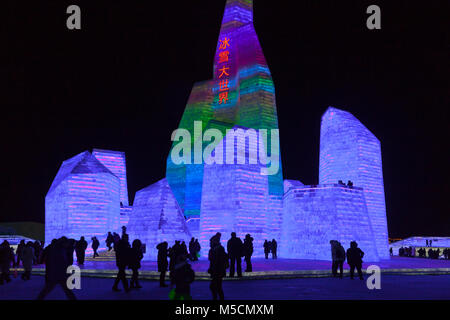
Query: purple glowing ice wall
{"type": "Point", "coordinates": [83, 200]}
{"type": "Point", "coordinates": [156, 217]}
{"type": "Point", "coordinates": [235, 197]}
{"type": "Point", "coordinates": [115, 162]}
{"type": "Point", "coordinates": [241, 93]}
{"type": "Point", "coordinates": [314, 215]}
{"type": "Point", "coordinates": [349, 151]}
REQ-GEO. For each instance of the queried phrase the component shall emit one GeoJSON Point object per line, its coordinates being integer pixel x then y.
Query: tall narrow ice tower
{"type": "Point", "coordinates": [241, 94]}
{"type": "Point", "coordinates": [349, 151]}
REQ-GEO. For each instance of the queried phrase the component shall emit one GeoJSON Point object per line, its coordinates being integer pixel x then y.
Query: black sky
{"type": "Point", "coordinates": [122, 83]}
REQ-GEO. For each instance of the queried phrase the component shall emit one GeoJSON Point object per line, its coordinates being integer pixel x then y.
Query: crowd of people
{"type": "Point", "coordinates": [59, 255]}
{"type": "Point", "coordinates": [423, 253]}
{"type": "Point", "coordinates": [181, 273]}
{"type": "Point", "coordinates": [406, 252]}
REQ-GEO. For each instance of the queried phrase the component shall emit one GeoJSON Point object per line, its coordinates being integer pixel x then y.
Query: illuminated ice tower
{"type": "Point", "coordinates": [83, 200]}
{"type": "Point", "coordinates": [242, 94]}
{"type": "Point", "coordinates": [349, 151]}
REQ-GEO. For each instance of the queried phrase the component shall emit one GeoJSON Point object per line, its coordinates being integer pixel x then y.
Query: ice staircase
{"type": "Point", "coordinates": [104, 255]}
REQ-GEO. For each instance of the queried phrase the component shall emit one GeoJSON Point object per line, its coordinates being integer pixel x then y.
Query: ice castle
{"type": "Point", "coordinates": [199, 197]}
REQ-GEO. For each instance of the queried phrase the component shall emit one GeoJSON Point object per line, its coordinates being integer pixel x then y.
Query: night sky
{"type": "Point", "coordinates": [123, 80]}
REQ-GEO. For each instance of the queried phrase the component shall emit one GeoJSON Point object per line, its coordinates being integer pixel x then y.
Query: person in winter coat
{"type": "Point", "coordinates": [248, 251]}
{"type": "Point", "coordinates": [197, 248]}
{"type": "Point", "coordinates": [192, 253]}
{"type": "Point", "coordinates": [136, 256]}
{"type": "Point", "coordinates": [218, 264]}
{"type": "Point", "coordinates": [95, 245]}
{"type": "Point", "coordinates": [354, 259]}
{"type": "Point", "coordinates": [19, 252]}
{"type": "Point", "coordinates": [273, 248]}
{"type": "Point", "coordinates": [122, 249]}
{"type": "Point", "coordinates": [109, 241]}
{"type": "Point", "coordinates": [266, 249]}
{"type": "Point", "coordinates": [338, 257]}
{"type": "Point", "coordinates": [27, 260]}
{"type": "Point", "coordinates": [6, 258]}
{"type": "Point", "coordinates": [80, 250]}
{"type": "Point", "coordinates": [234, 248]}
{"type": "Point", "coordinates": [183, 276]}
{"type": "Point", "coordinates": [162, 262]}
{"type": "Point", "coordinates": [56, 264]}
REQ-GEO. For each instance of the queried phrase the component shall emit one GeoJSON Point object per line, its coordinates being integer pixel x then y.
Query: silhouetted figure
{"type": "Point", "coordinates": [266, 249]}
{"type": "Point", "coordinates": [69, 246]}
{"type": "Point", "coordinates": [183, 249]}
{"type": "Point", "coordinates": [109, 241]}
{"type": "Point", "coordinates": [27, 260]}
{"type": "Point", "coordinates": [192, 253]}
{"type": "Point", "coordinates": [354, 259]}
{"type": "Point", "coordinates": [215, 237]}
{"type": "Point", "coordinates": [122, 249]}
{"type": "Point", "coordinates": [37, 252]}
{"type": "Point", "coordinates": [124, 231]}
{"type": "Point", "coordinates": [80, 250]}
{"type": "Point", "coordinates": [174, 252]}
{"type": "Point", "coordinates": [427, 242]}
{"type": "Point", "coordinates": [350, 183]}
{"type": "Point", "coordinates": [197, 248]}
{"type": "Point", "coordinates": [136, 256]}
{"type": "Point", "coordinates": [116, 239]}
{"type": "Point", "coordinates": [162, 262]}
{"type": "Point", "coordinates": [41, 258]}
{"type": "Point", "coordinates": [6, 258]}
{"type": "Point", "coordinates": [183, 276]}
{"type": "Point", "coordinates": [391, 252]}
{"type": "Point", "coordinates": [95, 245]}
{"type": "Point", "coordinates": [338, 257]}
{"type": "Point", "coordinates": [218, 264]}
{"type": "Point", "coordinates": [55, 259]}
{"type": "Point", "coordinates": [235, 251]}
{"type": "Point", "coordinates": [273, 248]}
{"type": "Point", "coordinates": [248, 252]}
{"type": "Point", "coordinates": [19, 252]}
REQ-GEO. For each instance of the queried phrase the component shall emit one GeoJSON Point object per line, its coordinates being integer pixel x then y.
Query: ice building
{"type": "Point", "coordinates": [349, 151]}
{"type": "Point", "coordinates": [314, 215]}
{"type": "Point", "coordinates": [83, 200]}
{"type": "Point", "coordinates": [156, 217]}
{"type": "Point", "coordinates": [242, 94]}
